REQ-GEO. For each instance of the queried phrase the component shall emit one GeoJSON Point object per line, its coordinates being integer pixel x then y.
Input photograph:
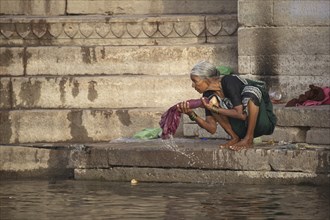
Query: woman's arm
{"type": "Point", "coordinates": [236, 112]}
{"type": "Point", "coordinates": [208, 124]}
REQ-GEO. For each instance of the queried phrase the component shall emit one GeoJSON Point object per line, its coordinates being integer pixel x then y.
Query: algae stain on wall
{"type": "Point", "coordinates": [25, 55]}
{"type": "Point", "coordinates": [6, 58]}
{"type": "Point", "coordinates": [124, 117]}
{"type": "Point", "coordinates": [5, 127]}
{"type": "Point", "coordinates": [62, 89]}
{"type": "Point", "coordinates": [77, 129]}
{"type": "Point", "coordinates": [75, 89]}
{"type": "Point", "coordinates": [88, 54]}
{"type": "Point", "coordinates": [30, 93]}
{"type": "Point", "coordinates": [92, 92]}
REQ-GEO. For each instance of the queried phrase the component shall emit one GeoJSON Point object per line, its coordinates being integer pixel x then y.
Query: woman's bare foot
{"type": "Point", "coordinates": [230, 143]}
{"type": "Point", "coordinates": [244, 143]}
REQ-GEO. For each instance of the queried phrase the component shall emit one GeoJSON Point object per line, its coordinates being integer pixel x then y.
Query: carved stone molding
{"type": "Point", "coordinates": [116, 28]}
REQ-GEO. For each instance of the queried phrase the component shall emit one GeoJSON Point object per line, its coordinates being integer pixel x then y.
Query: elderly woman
{"type": "Point", "coordinates": [242, 107]}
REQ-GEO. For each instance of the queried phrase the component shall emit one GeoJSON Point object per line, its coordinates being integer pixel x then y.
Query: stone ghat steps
{"type": "Point", "coordinates": [118, 30]}
{"type": "Point", "coordinates": [178, 160]}
{"type": "Point", "coordinates": [115, 7]}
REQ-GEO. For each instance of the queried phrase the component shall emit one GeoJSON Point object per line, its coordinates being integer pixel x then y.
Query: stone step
{"type": "Point", "coordinates": [118, 30]}
{"type": "Point", "coordinates": [122, 91]}
{"type": "Point", "coordinates": [74, 125]}
{"type": "Point", "coordinates": [112, 60]}
{"type": "Point", "coordinates": [177, 160]}
{"type": "Point", "coordinates": [295, 124]}
{"type": "Point", "coordinates": [116, 7]}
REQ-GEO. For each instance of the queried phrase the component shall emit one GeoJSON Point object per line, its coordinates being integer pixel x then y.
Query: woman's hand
{"type": "Point", "coordinates": [207, 105]}
{"type": "Point", "coordinates": [184, 108]}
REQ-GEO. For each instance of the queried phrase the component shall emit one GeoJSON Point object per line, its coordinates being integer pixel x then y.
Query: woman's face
{"type": "Point", "coordinates": [199, 84]}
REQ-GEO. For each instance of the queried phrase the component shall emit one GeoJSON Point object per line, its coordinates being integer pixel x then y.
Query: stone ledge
{"type": "Point", "coordinates": [202, 154]}
{"type": "Point", "coordinates": [18, 162]}
{"type": "Point", "coordinates": [178, 160]}
{"type": "Point", "coordinates": [126, 174]}
{"type": "Point", "coordinates": [305, 116]}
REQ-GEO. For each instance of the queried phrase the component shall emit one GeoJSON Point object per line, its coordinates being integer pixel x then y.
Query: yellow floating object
{"type": "Point", "coordinates": [134, 182]}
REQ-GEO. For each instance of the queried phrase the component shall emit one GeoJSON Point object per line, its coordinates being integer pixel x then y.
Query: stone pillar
{"type": "Point", "coordinates": [285, 43]}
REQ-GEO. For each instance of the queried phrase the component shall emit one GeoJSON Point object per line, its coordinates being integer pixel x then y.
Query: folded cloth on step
{"type": "Point", "coordinates": [325, 101]}
{"type": "Point", "coordinates": [170, 120]}
{"type": "Point", "coordinates": [314, 96]}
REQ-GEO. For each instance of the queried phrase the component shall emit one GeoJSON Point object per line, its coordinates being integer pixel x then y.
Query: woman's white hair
{"type": "Point", "coordinates": [205, 69]}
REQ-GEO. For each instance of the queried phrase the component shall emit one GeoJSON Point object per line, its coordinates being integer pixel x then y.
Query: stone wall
{"type": "Point", "coordinates": [89, 71]}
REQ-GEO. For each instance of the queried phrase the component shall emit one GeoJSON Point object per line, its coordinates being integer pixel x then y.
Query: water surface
{"type": "Point", "coordinates": [121, 200]}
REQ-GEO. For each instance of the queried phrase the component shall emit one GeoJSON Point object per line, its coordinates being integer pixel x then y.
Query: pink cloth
{"type": "Point", "coordinates": [325, 101]}
{"type": "Point", "coordinates": [170, 120]}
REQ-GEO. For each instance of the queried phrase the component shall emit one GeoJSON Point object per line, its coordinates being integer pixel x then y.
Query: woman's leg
{"type": "Point", "coordinates": [247, 141]}
{"type": "Point", "coordinates": [225, 124]}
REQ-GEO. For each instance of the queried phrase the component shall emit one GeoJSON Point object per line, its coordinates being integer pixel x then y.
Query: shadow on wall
{"type": "Point", "coordinates": [266, 53]}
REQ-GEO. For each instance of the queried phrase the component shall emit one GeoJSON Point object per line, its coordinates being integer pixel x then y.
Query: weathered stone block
{"type": "Point", "coordinates": [311, 116]}
{"type": "Point", "coordinates": [319, 135]}
{"type": "Point", "coordinates": [299, 161]}
{"type": "Point", "coordinates": [287, 134]}
{"type": "Point", "coordinates": [293, 65]}
{"type": "Point", "coordinates": [17, 162]}
{"type": "Point", "coordinates": [302, 13]}
{"type": "Point", "coordinates": [15, 158]}
{"type": "Point", "coordinates": [13, 61]}
{"type": "Point", "coordinates": [151, 7]}
{"type": "Point", "coordinates": [80, 126]}
{"type": "Point", "coordinates": [283, 41]}
{"type": "Point", "coordinates": [33, 7]}
{"type": "Point", "coordinates": [193, 130]}
{"type": "Point", "coordinates": [94, 92]}
{"type": "Point", "coordinates": [5, 93]}
{"type": "Point", "coordinates": [282, 13]}
{"type": "Point", "coordinates": [255, 13]}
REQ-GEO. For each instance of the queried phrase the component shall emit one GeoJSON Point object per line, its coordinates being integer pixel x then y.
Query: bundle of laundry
{"type": "Point", "coordinates": [314, 96]}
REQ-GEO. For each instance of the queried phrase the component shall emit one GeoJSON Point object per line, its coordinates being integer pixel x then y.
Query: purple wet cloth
{"type": "Point", "coordinates": [170, 120]}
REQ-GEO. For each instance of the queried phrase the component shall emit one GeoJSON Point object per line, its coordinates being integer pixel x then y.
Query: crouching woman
{"type": "Point", "coordinates": [242, 107]}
